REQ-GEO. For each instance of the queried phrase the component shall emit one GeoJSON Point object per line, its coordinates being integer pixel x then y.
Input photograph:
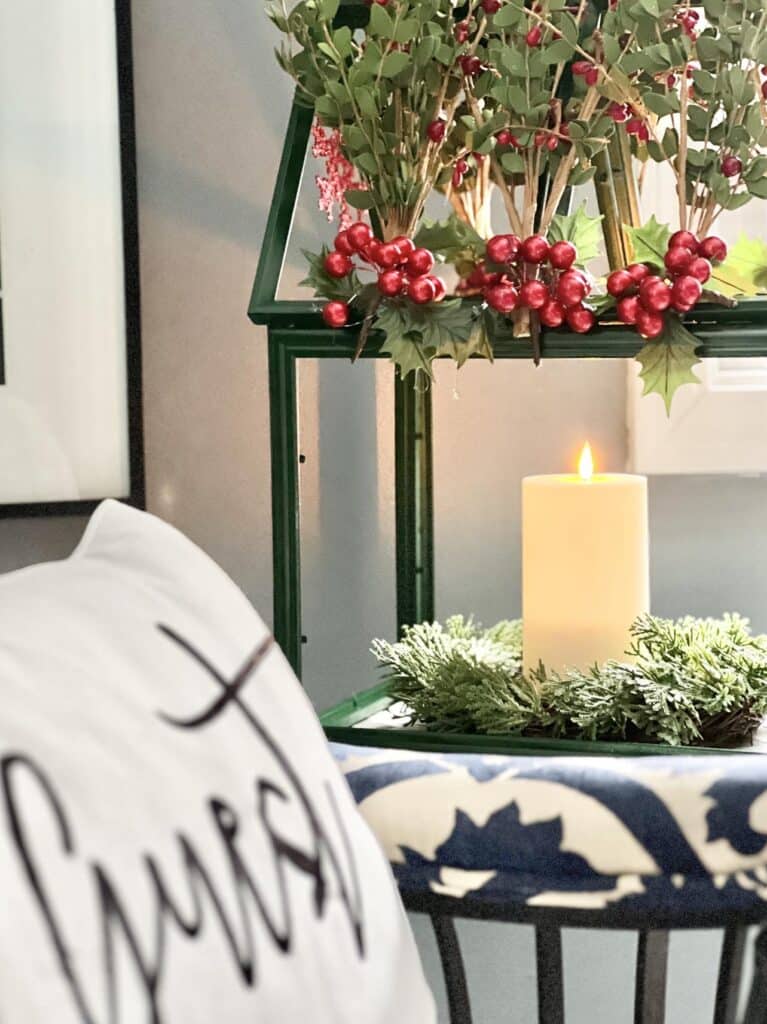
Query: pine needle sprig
{"type": "Point", "coordinates": [461, 678]}
{"type": "Point", "coordinates": [685, 682]}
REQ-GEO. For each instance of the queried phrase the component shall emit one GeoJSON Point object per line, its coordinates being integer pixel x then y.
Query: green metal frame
{"type": "Point", "coordinates": [344, 723]}
{"type": "Point", "coordinates": [296, 331]}
{"type": "Point", "coordinates": [413, 484]}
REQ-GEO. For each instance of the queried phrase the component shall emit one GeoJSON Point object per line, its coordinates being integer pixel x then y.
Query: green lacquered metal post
{"type": "Point", "coordinates": [741, 331]}
{"type": "Point", "coordinates": [286, 533]}
{"type": "Point", "coordinates": [414, 502]}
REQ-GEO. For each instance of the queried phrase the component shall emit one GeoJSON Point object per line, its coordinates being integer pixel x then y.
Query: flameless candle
{"type": "Point", "coordinates": [585, 565]}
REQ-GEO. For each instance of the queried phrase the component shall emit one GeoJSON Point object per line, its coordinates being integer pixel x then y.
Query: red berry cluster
{"type": "Point", "coordinates": [505, 137]}
{"type": "Point", "coordinates": [623, 113]}
{"type": "Point", "coordinates": [401, 269]}
{"type": "Point", "coordinates": [540, 277]}
{"type": "Point", "coordinates": [764, 82]}
{"type": "Point", "coordinates": [551, 135]}
{"type": "Point", "coordinates": [644, 296]}
{"type": "Point", "coordinates": [435, 132]}
{"type": "Point", "coordinates": [731, 166]}
{"type": "Point", "coordinates": [471, 65]}
{"type": "Point", "coordinates": [688, 21]}
{"type": "Point", "coordinates": [586, 70]}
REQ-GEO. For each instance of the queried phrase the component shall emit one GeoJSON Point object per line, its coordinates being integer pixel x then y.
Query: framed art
{"type": "Point", "coordinates": [70, 390]}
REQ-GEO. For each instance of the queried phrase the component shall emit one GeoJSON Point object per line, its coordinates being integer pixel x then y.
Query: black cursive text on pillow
{"type": "Point", "coordinates": [326, 859]}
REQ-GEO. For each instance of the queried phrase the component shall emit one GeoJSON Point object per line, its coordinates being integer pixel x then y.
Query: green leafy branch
{"type": "Point", "coordinates": [701, 90]}
{"type": "Point", "coordinates": [382, 92]}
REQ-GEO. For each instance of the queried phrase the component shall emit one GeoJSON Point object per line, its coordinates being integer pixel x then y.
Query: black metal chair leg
{"type": "Point", "coordinates": [652, 967]}
{"type": "Point", "coordinates": [756, 1011]}
{"type": "Point", "coordinates": [551, 990]}
{"type": "Point", "coordinates": [452, 969]}
{"type": "Point", "coordinates": [730, 975]}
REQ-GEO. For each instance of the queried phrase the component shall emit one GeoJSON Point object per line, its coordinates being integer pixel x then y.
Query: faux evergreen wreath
{"type": "Point", "coordinates": [690, 682]}
{"type": "Point", "coordinates": [529, 98]}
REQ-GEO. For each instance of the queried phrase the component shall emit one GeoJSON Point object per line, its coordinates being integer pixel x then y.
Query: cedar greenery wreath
{"type": "Point", "coordinates": [526, 99]}
{"type": "Point", "coordinates": [690, 682]}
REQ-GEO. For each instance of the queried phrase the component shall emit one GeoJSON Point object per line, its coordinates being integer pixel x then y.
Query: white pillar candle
{"type": "Point", "coordinates": [585, 566]}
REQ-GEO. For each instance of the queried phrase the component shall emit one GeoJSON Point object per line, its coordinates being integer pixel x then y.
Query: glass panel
{"type": "Point", "coordinates": [496, 424]}
{"type": "Point", "coordinates": [346, 435]}
{"type": "Point", "coordinates": [311, 228]}
{"type": "Point", "coordinates": [715, 427]}
{"type": "Point", "coordinates": [310, 231]}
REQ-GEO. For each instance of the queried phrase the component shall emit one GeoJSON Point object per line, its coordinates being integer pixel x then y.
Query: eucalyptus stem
{"type": "Point", "coordinates": [562, 176]}
{"type": "Point", "coordinates": [681, 161]}
{"type": "Point", "coordinates": [508, 199]}
{"type": "Point", "coordinates": [497, 172]}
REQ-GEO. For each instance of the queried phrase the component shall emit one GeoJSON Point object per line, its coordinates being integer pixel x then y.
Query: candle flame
{"type": "Point", "coordinates": [586, 463]}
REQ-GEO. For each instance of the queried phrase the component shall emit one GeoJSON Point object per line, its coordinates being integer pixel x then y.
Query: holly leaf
{"type": "Point", "coordinates": [442, 325]}
{"type": "Point", "coordinates": [728, 281]}
{"type": "Point", "coordinates": [452, 239]}
{"type": "Point", "coordinates": [649, 242]}
{"type": "Point", "coordinates": [342, 289]}
{"type": "Point", "coordinates": [479, 341]}
{"type": "Point", "coordinates": [416, 335]}
{"type": "Point", "coordinates": [601, 303]}
{"type": "Point", "coordinates": [402, 342]}
{"type": "Point", "coordinates": [360, 198]}
{"type": "Point", "coordinates": [667, 361]}
{"type": "Point", "coordinates": [746, 265]}
{"type": "Point", "coordinates": [461, 349]}
{"type": "Point", "coordinates": [583, 231]}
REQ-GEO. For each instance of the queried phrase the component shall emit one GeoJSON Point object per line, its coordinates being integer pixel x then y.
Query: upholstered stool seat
{"type": "Point", "coordinates": [676, 836]}
{"type": "Point", "coordinates": [650, 843]}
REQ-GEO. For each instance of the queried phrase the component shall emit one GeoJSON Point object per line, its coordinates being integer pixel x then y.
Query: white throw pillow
{"type": "Point", "coordinates": [176, 843]}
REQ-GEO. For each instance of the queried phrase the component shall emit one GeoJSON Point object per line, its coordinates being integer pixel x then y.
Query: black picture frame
{"type": "Point", "coordinates": [132, 292]}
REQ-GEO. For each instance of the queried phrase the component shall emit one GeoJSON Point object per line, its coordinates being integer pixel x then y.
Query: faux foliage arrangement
{"type": "Point", "coordinates": [529, 98]}
{"type": "Point", "coordinates": [690, 682]}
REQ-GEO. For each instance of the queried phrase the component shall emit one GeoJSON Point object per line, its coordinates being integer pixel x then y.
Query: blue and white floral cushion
{"type": "Point", "coordinates": [678, 834]}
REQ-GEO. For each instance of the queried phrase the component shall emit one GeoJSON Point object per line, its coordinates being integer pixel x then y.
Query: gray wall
{"type": "Point", "coordinates": [209, 115]}
{"type": "Point", "coordinates": [211, 106]}
{"type": "Point", "coordinates": [26, 541]}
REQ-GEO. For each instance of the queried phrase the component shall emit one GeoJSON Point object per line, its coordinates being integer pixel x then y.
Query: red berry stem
{"type": "Point", "coordinates": [367, 323]}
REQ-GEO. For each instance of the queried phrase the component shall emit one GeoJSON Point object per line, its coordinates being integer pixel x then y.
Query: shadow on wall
{"type": "Point", "coordinates": [38, 539]}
